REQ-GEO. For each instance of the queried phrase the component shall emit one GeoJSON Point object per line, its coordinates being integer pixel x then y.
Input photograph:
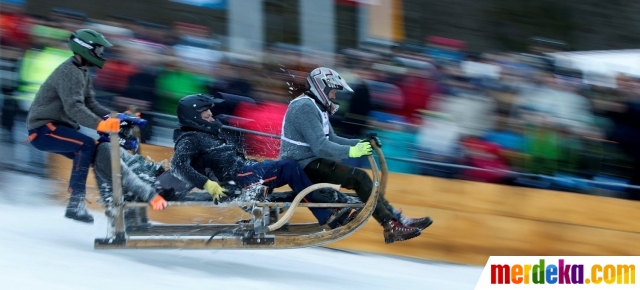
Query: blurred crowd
{"type": "Point", "coordinates": [499, 117]}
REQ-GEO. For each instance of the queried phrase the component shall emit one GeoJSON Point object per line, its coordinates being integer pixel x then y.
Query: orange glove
{"type": "Point", "coordinates": [109, 125]}
{"type": "Point", "coordinates": [158, 203]}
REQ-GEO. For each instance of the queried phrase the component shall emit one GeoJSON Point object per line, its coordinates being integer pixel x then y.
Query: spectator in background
{"type": "Point", "coordinates": [9, 64]}
{"type": "Point", "coordinates": [14, 24]}
{"type": "Point", "coordinates": [626, 132]}
{"type": "Point", "coordinates": [264, 116]}
{"type": "Point", "coordinates": [417, 89]}
{"type": "Point", "coordinates": [232, 77]}
{"type": "Point", "coordinates": [198, 52]}
{"type": "Point", "coordinates": [553, 100]}
{"type": "Point", "coordinates": [49, 50]}
{"type": "Point", "coordinates": [113, 78]}
{"type": "Point", "coordinates": [141, 86]}
{"type": "Point", "coordinates": [509, 137]}
{"type": "Point", "coordinates": [175, 81]}
{"type": "Point", "coordinates": [359, 106]}
{"type": "Point", "coordinates": [468, 105]}
{"type": "Point", "coordinates": [484, 155]}
{"type": "Point", "coordinates": [438, 141]}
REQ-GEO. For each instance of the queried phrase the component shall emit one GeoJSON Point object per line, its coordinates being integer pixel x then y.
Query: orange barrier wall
{"type": "Point", "coordinates": [472, 221]}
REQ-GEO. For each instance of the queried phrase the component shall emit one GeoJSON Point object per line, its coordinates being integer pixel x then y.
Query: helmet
{"type": "Point", "coordinates": [190, 108]}
{"type": "Point", "coordinates": [321, 81]}
{"type": "Point", "coordinates": [90, 45]}
{"type": "Point", "coordinates": [127, 140]}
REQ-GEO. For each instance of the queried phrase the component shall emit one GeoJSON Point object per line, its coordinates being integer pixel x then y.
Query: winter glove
{"type": "Point", "coordinates": [374, 137]}
{"type": "Point", "coordinates": [158, 203]}
{"type": "Point", "coordinates": [109, 125]}
{"type": "Point", "coordinates": [361, 149]}
{"type": "Point", "coordinates": [214, 189]}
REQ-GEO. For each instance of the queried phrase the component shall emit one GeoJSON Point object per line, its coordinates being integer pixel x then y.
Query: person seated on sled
{"type": "Point", "coordinates": [138, 174]}
{"type": "Point", "coordinates": [205, 159]}
{"type": "Point", "coordinates": [308, 138]}
{"type": "Point", "coordinates": [140, 177]}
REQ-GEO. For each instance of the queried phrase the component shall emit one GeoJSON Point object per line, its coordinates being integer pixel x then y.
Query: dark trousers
{"type": "Point", "coordinates": [274, 174]}
{"type": "Point", "coordinates": [70, 143]}
{"type": "Point", "coordinates": [324, 170]}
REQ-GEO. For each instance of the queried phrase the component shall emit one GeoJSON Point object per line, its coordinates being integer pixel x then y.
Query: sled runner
{"type": "Point", "coordinates": [266, 229]}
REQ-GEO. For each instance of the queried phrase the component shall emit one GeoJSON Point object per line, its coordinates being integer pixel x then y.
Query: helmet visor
{"type": "Point", "coordinates": [98, 50]}
{"type": "Point", "coordinates": [336, 82]}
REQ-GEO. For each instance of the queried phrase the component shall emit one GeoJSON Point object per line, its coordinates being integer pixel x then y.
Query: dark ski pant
{"type": "Point", "coordinates": [275, 174]}
{"type": "Point", "coordinates": [70, 143]}
{"type": "Point", "coordinates": [324, 170]}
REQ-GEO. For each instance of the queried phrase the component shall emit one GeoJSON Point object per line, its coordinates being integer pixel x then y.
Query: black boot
{"type": "Point", "coordinates": [419, 223]}
{"type": "Point", "coordinates": [395, 231]}
{"type": "Point", "coordinates": [342, 216]}
{"type": "Point", "coordinates": [77, 210]}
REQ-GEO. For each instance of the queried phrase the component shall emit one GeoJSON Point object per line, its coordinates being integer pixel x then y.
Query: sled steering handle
{"type": "Point", "coordinates": [383, 168]}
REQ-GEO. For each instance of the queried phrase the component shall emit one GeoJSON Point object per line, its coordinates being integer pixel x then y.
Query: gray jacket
{"type": "Point", "coordinates": [66, 97]}
{"type": "Point", "coordinates": [307, 134]}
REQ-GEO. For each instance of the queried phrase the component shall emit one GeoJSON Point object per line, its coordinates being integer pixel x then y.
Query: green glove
{"type": "Point", "coordinates": [361, 149]}
{"type": "Point", "coordinates": [214, 189]}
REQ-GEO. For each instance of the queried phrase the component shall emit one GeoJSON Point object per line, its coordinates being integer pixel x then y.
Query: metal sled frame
{"type": "Point", "coordinates": [255, 233]}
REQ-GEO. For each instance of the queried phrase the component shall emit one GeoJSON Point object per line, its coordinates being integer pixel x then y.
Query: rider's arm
{"type": "Point", "coordinates": [308, 123]}
{"type": "Point", "coordinates": [185, 151]}
{"type": "Point", "coordinates": [340, 140]}
{"type": "Point", "coordinates": [92, 103]}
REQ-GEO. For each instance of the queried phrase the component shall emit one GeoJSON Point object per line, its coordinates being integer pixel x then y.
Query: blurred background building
{"type": "Point", "coordinates": [540, 94]}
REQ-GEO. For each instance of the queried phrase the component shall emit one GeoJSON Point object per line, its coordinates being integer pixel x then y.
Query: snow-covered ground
{"type": "Point", "coordinates": [40, 249]}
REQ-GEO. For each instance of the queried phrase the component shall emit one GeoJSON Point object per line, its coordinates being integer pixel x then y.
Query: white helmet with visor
{"type": "Point", "coordinates": [321, 81]}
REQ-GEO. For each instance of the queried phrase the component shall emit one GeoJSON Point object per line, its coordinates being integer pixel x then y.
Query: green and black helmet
{"type": "Point", "coordinates": [90, 45]}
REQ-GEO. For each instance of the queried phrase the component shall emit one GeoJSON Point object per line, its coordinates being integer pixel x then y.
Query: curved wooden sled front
{"type": "Point", "coordinates": [297, 236]}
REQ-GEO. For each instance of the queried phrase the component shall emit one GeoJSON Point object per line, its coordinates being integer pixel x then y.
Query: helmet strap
{"type": "Point", "coordinates": [85, 62]}
{"type": "Point", "coordinates": [82, 62]}
{"type": "Point", "coordinates": [331, 107]}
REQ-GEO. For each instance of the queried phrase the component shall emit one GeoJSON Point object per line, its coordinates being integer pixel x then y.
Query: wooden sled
{"type": "Point", "coordinates": [255, 233]}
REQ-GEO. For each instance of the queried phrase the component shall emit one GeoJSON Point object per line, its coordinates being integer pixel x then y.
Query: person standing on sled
{"type": "Point", "coordinates": [309, 139]}
{"type": "Point", "coordinates": [203, 158]}
{"type": "Point", "coordinates": [64, 102]}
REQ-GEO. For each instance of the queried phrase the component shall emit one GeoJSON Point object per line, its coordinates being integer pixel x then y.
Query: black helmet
{"type": "Point", "coordinates": [189, 109]}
